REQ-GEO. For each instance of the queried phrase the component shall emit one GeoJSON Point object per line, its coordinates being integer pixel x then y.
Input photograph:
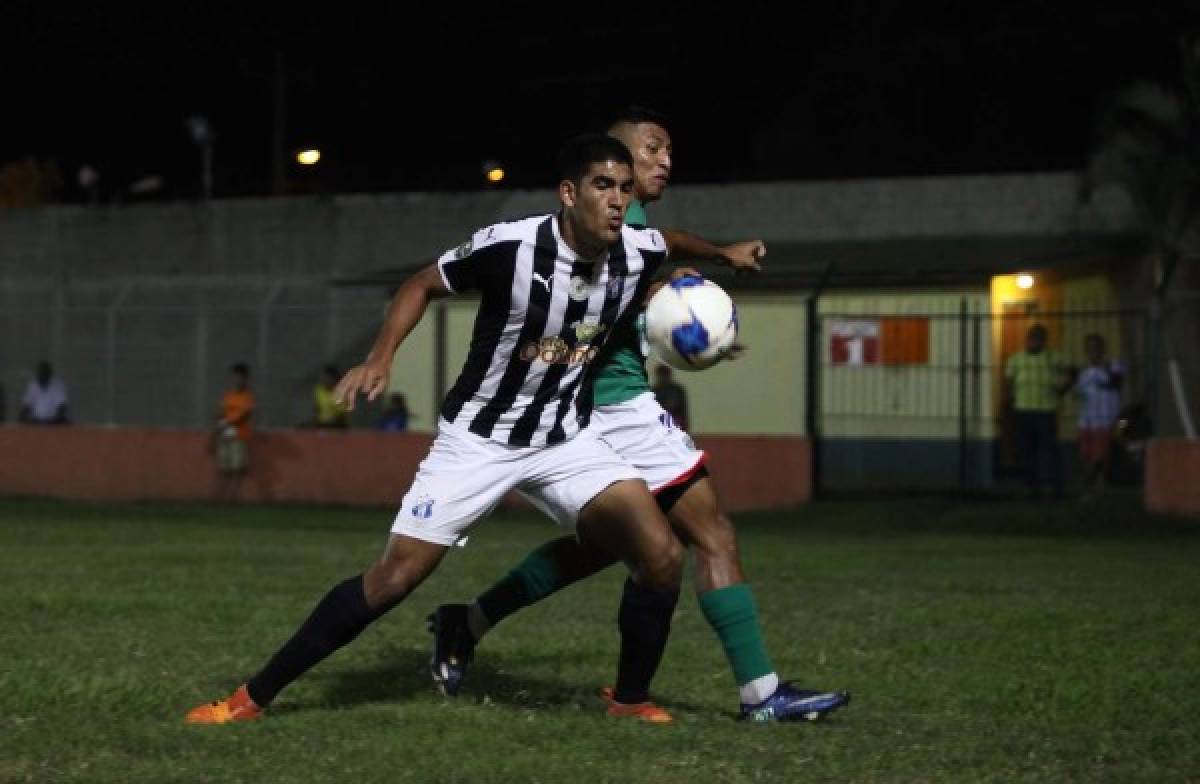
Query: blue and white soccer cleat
{"type": "Point", "coordinates": [453, 647]}
{"type": "Point", "coordinates": [789, 703]}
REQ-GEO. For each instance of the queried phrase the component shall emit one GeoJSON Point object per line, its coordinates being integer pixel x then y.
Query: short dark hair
{"type": "Point", "coordinates": [241, 368]}
{"type": "Point", "coordinates": [582, 151]}
{"type": "Point", "coordinates": [635, 115]}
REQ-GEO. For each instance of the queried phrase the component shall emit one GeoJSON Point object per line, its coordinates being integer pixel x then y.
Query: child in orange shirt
{"type": "Point", "coordinates": [233, 433]}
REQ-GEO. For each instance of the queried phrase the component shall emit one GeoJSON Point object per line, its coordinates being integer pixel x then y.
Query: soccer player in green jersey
{"type": "Point", "coordinates": [627, 417]}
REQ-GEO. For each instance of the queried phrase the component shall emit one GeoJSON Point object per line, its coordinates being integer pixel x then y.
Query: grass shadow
{"type": "Point", "coordinates": [491, 679]}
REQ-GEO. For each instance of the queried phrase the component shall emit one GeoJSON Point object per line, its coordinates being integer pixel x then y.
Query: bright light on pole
{"type": "Point", "coordinates": [1024, 281]}
{"type": "Point", "coordinates": [202, 134]}
{"type": "Point", "coordinates": [308, 157]}
{"type": "Point", "coordinates": [493, 172]}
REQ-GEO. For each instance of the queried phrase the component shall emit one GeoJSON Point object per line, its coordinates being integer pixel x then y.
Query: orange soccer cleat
{"type": "Point", "coordinates": [646, 711]}
{"type": "Point", "coordinates": [236, 707]}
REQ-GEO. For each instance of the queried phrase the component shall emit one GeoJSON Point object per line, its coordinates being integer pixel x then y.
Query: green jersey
{"type": "Point", "coordinates": [621, 366]}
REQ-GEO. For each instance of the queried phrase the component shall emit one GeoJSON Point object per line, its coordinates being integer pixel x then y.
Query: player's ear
{"type": "Point", "coordinates": [567, 193]}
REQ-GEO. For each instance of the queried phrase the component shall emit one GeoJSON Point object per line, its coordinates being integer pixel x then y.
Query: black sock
{"type": "Point", "coordinates": [645, 623]}
{"type": "Point", "coordinates": [336, 620]}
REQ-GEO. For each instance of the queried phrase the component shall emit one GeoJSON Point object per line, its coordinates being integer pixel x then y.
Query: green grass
{"type": "Point", "coordinates": [994, 641]}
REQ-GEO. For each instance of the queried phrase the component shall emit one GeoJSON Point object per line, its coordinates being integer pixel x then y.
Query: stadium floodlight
{"type": "Point", "coordinates": [308, 157]}
{"type": "Point", "coordinates": [493, 171]}
{"type": "Point", "coordinates": [1024, 281]}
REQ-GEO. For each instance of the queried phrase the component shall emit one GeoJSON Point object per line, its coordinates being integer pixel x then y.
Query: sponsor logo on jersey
{"type": "Point", "coordinates": [556, 351]}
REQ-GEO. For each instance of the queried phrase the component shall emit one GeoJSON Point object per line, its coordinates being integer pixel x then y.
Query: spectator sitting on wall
{"type": "Point", "coordinates": [327, 411]}
{"type": "Point", "coordinates": [395, 417]}
{"type": "Point", "coordinates": [1099, 388]}
{"type": "Point", "coordinates": [232, 433]}
{"type": "Point", "coordinates": [1035, 379]}
{"type": "Point", "coordinates": [45, 399]}
{"type": "Point", "coordinates": [671, 395]}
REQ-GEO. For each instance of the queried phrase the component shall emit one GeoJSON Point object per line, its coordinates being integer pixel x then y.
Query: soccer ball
{"type": "Point", "coordinates": [691, 323]}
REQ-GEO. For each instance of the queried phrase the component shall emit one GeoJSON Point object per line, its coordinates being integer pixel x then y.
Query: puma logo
{"type": "Point", "coordinates": [544, 281]}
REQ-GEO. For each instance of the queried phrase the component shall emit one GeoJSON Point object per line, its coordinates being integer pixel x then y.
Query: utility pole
{"type": "Point", "coordinates": [279, 129]}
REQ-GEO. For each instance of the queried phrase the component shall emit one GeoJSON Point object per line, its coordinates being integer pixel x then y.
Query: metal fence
{"type": "Point", "coordinates": [916, 400]}
{"type": "Point", "coordinates": [162, 357]}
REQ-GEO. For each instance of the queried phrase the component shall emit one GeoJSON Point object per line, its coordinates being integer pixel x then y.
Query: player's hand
{"type": "Point", "coordinates": [744, 257]}
{"type": "Point", "coordinates": [369, 379]}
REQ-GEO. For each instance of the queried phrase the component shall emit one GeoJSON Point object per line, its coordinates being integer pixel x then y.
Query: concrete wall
{"type": "Point", "coordinates": [1173, 476]}
{"type": "Point", "coordinates": [144, 308]}
{"type": "Point", "coordinates": [322, 236]}
{"type": "Point", "coordinates": [358, 468]}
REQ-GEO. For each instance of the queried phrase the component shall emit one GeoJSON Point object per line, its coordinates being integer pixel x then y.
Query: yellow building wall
{"type": "Point", "coordinates": [906, 401]}
{"type": "Point", "coordinates": [761, 392]}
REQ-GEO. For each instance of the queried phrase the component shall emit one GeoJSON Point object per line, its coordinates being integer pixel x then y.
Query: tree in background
{"type": "Point", "coordinates": [1147, 142]}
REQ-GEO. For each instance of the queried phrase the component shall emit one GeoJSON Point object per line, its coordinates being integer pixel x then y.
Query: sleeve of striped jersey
{"type": "Point", "coordinates": [463, 267]}
{"type": "Point", "coordinates": [652, 245]}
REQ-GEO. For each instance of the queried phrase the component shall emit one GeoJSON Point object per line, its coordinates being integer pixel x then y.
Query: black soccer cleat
{"type": "Point", "coordinates": [453, 647]}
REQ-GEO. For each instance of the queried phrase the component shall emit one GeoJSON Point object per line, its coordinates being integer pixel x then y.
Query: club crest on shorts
{"type": "Point", "coordinates": [578, 289]}
{"type": "Point", "coordinates": [423, 508]}
{"type": "Point", "coordinates": [464, 250]}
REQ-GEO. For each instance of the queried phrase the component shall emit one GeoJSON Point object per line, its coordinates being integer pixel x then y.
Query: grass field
{"type": "Point", "coordinates": [983, 641]}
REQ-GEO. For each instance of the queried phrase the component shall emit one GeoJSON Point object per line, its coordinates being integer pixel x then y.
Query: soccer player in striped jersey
{"type": "Point", "coordinates": [553, 288]}
{"type": "Point", "coordinates": [628, 418]}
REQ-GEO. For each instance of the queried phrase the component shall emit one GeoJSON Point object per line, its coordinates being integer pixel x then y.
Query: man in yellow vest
{"type": "Point", "coordinates": [1035, 379]}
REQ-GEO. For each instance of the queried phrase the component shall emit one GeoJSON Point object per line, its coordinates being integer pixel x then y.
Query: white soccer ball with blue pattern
{"type": "Point", "coordinates": [691, 323]}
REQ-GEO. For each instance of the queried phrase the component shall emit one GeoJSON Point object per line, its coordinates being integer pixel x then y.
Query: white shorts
{"type": "Point", "coordinates": [643, 433]}
{"type": "Point", "coordinates": [464, 476]}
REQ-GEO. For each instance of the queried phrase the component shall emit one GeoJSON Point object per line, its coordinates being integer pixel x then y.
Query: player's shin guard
{"type": "Point", "coordinates": [645, 623]}
{"type": "Point", "coordinates": [336, 620]}
{"type": "Point", "coordinates": [734, 617]}
{"type": "Point", "coordinates": [547, 570]}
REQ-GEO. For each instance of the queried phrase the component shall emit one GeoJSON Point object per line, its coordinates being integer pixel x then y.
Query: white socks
{"type": "Point", "coordinates": [758, 689]}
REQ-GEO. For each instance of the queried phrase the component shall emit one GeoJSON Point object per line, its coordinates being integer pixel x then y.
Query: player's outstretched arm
{"type": "Point", "coordinates": [408, 306]}
{"type": "Point", "coordinates": [740, 256]}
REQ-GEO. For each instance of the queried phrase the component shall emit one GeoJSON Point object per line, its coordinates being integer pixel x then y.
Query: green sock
{"type": "Point", "coordinates": [535, 578]}
{"type": "Point", "coordinates": [731, 613]}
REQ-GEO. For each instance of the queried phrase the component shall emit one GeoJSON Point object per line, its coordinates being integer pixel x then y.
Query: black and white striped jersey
{"type": "Point", "coordinates": [544, 314]}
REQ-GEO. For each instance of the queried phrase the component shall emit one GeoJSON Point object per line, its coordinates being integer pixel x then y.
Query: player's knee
{"type": "Point", "coordinates": [663, 570]}
{"type": "Point", "coordinates": [393, 577]}
{"type": "Point", "coordinates": [716, 540]}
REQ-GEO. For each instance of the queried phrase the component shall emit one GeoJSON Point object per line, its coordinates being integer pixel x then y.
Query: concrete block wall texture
{"type": "Point", "coordinates": [323, 236]}
{"type": "Point", "coordinates": [1173, 476]}
{"type": "Point", "coordinates": [304, 466]}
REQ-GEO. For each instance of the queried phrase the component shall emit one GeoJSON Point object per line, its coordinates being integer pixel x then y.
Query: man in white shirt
{"type": "Point", "coordinates": [45, 399]}
{"type": "Point", "coordinates": [1099, 388]}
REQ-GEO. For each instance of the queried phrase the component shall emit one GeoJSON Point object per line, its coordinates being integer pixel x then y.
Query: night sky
{"type": "Point", "coordinates": [416, 96]}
